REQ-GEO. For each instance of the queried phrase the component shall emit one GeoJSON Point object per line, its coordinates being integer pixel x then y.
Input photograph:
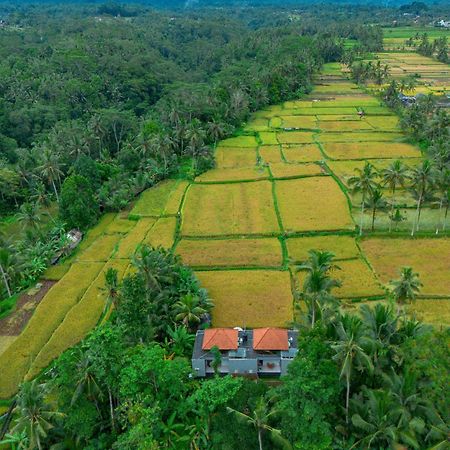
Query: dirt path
{"type": "Point", "coordinates": [13, 324]}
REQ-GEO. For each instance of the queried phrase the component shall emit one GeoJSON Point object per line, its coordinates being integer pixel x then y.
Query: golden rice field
{"type": "Point", "coordinates": [277, 191]}
{"type": "Point", "coordinates": [429, 257]}
{"type": "Point", "coordinates": [240, 252]}
{"type": "Point", "coordinates": [249, 298]}
{"type": "Point", "coordinates": [319, 205]}
{"type": "Point", "coordinates": [358, 280]}
{"type": "Point", "coordinates": [431, 75]}
{"type": "Point", "coordinates": [343, 247]}
{"type": "Point", "coordinates": [235, 157]}
{"type": "Point", "coordinates": [369, 150]}
{"type": "Point", "coordinates": [229, 209]}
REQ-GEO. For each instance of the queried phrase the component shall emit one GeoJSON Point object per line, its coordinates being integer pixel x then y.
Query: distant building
{"type": "Point", "coordinates": [443, 23]}
{"type": "Point", "coordinates": [407, 100]}
{"type": "Point", "coordinates": [253, 353]}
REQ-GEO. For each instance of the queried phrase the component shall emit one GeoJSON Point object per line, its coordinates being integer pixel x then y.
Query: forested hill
{"type": "Point", "coordinates": [244, 3]}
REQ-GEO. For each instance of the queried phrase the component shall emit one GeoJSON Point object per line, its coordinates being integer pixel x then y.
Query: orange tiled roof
{"type": "Point", "coordinates": [270, 339]}
{"type": "Point", "coordinates": [223, 338]}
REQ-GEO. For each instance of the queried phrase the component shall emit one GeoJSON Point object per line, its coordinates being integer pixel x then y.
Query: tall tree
{"type": "Point", "coordinates": [394, 176]}
{"type": "Point", "coordinates": [34, 414]}
{"type": "Point", "coordinates": [406, 288]}
{"type": "Point", "coordinates": [50, 168]}
{"type": "Point", "coordinates": [78, 206]}
{"type": "Point", "coordinates": [260, 418]}
{"type": "Point", "coordinates": [363, 183]}
{"type": "Point", "coordinates": [318, 283]}
{"type": "Point", "coordinates": [375, 202]}
{"type": "Point", "coordinates": [422, 179]}
{"type": "Point", "coordinates": [351, 352]}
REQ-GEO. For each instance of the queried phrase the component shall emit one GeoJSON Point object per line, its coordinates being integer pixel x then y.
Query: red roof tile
{"type": "Point", "coordinates": [223, 338]}
{"type": "Point", "coordinates": [270, 339]}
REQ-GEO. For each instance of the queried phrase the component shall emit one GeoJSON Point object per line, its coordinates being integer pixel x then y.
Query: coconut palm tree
{"type": "Point", "coordinates": [189, 310]}
{"type": "Point", "coordinates": [50, 168]}
{"type": "Point", "coordinates": [413, 410]}
{"type": "Point", "coordinates": [376, 420]}
{"type": "Point", "coordinates": [259, 418]}
{"type": "Point", "coordinates": [34, 415]}
{"type": "Point", "coordinates": [442, 185]}
{"type": "Point", "coordinates": [111, 289]}
{"type": "Point", "coordinates": [375, 202]}
{"type": "Point", "coordinates": [30, 215]}
{"type": "Point", "coordinates": [180, 341]}
{"type": "Point", "coordinates": [364, 183]}
{"type": "Point", "coordinates": [422, 179]}
{"type": "Point", "coordinates": [216, 130]}
{"type": "Point", "coordinates": [394, 176]}
{"type": "Point", "coordinates": [318, 284]}
{"type": "Point", "coordinates": [9, 267]}
{"type": "Point", "coordinates": [152, 265]}
{"type": "Point", "coordinates": [351, 352]}
{"type": "Point", "coordinates": [407, 287]}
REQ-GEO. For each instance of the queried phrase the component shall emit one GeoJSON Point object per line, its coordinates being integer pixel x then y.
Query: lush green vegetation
{"type": "Point", "coordinates": [359, 381]}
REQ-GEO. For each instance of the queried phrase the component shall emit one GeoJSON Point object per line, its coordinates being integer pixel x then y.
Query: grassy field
{"type": "Point", "coordinates": [394, 38]}
{"type": "Point", "coordinates": [276, 192]}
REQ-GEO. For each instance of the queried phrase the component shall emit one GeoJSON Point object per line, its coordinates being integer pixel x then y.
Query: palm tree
{"type": "Point", "coordinates": [34, 416]}
{"type": "Point", "coordinates": [442, 184]}
{"type": "Point", "coordinates": [318, 283]}
{"type": "Point", "coordinates": [189, 310]}
{"type": "Point", "coordinates": [8, 268]}
{"type": "Point", "coordinates": [30, 215]}
{"type": "Point", "coordinates": [181, 340]}
{"type": "Point", "coordinates": [350, 351]}
{"type": "Point", "coordinates": [111, 289]}
{"type": "Point", "coordinates": [50, 168]}
{"type": "Point", "coordinates": [152, 265]}
{"type": "Point", "coordinates": [259, 419]}
{"type": "Point", "coordinates": [376, 420]}
{"type": "Point", "coordinates": [412, 409]}
{"type": "Point", "coordinates": [17, 441]}
{"type": "Point", "coordinates": [375, 202]}
{"type": "Point", "coordinates": [216, 130]}
{"type": "Point", "coordinates": [364, 183]}
{"type": "Point", "coordinates": [39, 194]}
{"type": "Point", "coordinates": [407, 287]}
{"type": "Point", "coordinates": [422, 179]}
{"type": "Point", "coordinates": [394, 176]}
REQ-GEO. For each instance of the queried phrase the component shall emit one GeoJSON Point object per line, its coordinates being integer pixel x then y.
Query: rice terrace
{"type": "Point", "coordinates": [289, 181]}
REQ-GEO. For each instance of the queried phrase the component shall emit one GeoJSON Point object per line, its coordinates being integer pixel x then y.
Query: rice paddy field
{"type": "Point", "coordinates": [278, 191]}
{"type": "Point", "coordinates": [394, 38]}
{"type": "Point", "coordinates": [430, 76]}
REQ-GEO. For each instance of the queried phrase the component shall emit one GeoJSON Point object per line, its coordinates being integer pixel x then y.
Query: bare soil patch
{"type": "Point", "coordinates": [13, 324]}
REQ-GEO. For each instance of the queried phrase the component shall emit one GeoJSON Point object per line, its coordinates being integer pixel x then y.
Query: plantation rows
{"type": "Point", "coordinates": [279, 190]}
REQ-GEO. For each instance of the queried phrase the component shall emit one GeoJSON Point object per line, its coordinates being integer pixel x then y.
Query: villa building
{"type": "Point", "coordinates": [258, 352]}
